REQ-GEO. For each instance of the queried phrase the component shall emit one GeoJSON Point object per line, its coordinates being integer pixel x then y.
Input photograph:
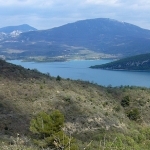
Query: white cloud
{"type": "Point", "coordinates": [136, 4]}
{"type": "Point", "coordinates": [37, 3]}
{"type": "Point", "coordinates": [50, 13]}
{"type": "Point", "coordinates": [104, 2]}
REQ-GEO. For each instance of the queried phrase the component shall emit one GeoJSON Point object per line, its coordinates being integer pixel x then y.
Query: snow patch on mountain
{"type": "Point", "coordinates": [15, 33]}
{"type": "Point", "coordinates": [8, 35]}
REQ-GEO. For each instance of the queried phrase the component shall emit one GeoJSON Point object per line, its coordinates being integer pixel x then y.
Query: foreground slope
{"type": "Point", "coordinates": [90, 111]}
{"type": "Point", "coordinates": [86, 39]}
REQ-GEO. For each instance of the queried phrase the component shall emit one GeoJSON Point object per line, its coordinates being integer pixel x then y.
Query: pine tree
{"type": "Point", "coordinates": [48, 131]}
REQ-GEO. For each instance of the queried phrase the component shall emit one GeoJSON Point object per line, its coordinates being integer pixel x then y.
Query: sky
{"type": "Point", "coordinates": [46, 14]}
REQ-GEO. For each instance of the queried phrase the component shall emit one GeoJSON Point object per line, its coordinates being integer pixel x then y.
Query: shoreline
{"type": "Point", "coordinates": [122, 70]}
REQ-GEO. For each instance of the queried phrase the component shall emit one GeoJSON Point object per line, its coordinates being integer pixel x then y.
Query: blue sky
{"type": "Point", "coordinates": [46, 14]}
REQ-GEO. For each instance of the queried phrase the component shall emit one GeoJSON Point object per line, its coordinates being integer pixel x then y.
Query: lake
{"type": "Point", "coordinates": [80, 70]}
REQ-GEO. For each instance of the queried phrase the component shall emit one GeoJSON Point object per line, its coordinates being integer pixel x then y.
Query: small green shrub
{"type": "Point", "coordinates": [125, 101]}
{"type": "Point", "coordinates": [106, 114]}
{"type": "Point", "coordinates": [105, 104]}
{"type": "Point", "coordinates": [58, 78]}
{"type": "Point", "coordinates": [117, 108]}
{"type": "Point", "coordinates": [67, 99]}
{"type": "Point", "coordinates": [133, 114]}
{"type": "Point", "coordinates": [41, 87]}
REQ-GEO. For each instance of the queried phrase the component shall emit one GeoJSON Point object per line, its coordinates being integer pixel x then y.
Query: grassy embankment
{"type": "Point", "coordinates": [98, 117]}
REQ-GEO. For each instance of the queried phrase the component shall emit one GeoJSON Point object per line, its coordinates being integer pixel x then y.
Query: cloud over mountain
{"type": "Point", "coordinates": [44, 14]}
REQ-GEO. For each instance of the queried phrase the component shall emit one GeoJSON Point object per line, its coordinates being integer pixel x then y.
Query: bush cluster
{"type": "Point", "coordinates": [125, 101]}
{"type": "Point", "coordinates": [48, 131]}
{"type": "Point", "coordinates": [133, 114]}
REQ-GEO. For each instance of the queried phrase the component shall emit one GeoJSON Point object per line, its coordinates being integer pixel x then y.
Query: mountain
{"type": "Point", "coordinates": [119, 116]}
{"type": "Point", "coordinates": [136, 63]}
{"type": "Point", "coordinates": [85, 39]}
{"type": "Point", "coordinates": [83, 30]}
{"type": "Point", "coordinates": [13, 31]}
{"type": "Point", "coordinates": [21, 28]}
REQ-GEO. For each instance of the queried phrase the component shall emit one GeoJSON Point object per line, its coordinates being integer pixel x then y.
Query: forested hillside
{"type": "Point", "coordinates": [137, 63]}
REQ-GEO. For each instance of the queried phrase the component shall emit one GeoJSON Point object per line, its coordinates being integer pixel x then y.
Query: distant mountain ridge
{"type": "Point", "coordinates": [100, 37]}
{"type": "Point", "coordinates": [21, 28]}
{"type": "Point", "coordinates": [13, 31]}
{"type": "Point", "coordinates": [134, 63]}
{"type": "Point", "coordinates": [94, 27]}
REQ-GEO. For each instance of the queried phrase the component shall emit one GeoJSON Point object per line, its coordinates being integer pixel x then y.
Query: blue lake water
{"type": "Point", "coordinates": [80, 70]}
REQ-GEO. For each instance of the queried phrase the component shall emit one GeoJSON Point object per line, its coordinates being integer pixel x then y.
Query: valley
{"type": "Point", "coordinates": [74, 54]}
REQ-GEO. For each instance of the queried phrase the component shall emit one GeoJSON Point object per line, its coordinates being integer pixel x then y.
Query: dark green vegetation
{"type": "Point", "coordinates": [48, 129]}
{"type": "Point", "coordinates": [137, 63]}
{"type": "Point", "coordinates": [90, 116]}
{"type": "Point", "coordinates": [86, 39]}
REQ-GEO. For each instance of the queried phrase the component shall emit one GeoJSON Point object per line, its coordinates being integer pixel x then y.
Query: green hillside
{"type": "Point", "coordinates": [135, 63]}
{"type": "Point", "coordinates": [96, 117]}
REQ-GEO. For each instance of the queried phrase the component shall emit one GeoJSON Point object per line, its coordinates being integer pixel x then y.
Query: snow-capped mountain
{"type": "Point", "coordinates": [13, 31]}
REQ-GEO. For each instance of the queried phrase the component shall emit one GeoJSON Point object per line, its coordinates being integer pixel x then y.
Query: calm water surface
{"type": "Point", "coordinates": [81, 70]}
